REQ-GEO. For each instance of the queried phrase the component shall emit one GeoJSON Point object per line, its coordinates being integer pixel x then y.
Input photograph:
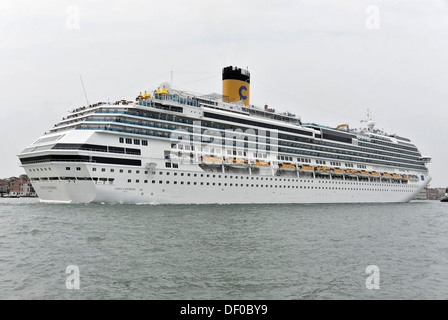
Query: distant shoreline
{"type": "Point", "coordinates": [12, 197]}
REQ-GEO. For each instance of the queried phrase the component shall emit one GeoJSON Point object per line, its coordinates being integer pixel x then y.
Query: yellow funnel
{"type": "Point", "coordinates": [235, 84]}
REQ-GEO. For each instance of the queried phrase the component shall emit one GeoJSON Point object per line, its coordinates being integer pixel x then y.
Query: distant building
{"type": "Point", "coordinates": [4, 187]}
{"type": "Point", "coordinates": [422, 195]}
{"type": "Point", "coordinates": [17, 187]}
{"type": "Point", "coordinates": [442, 192]}
{"type": "Point", "coordinates": [433, 193]}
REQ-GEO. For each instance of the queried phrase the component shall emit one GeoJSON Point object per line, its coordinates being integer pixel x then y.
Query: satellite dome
{"type": "Point", "coordinates": [165, 84]}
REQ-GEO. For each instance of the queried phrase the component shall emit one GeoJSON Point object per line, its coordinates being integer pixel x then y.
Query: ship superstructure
{"type": "Point", "coordinates": [171, 146]}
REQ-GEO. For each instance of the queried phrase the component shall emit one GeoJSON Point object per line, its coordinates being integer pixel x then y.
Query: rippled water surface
{"type": "Point", "coordinates": [223, 251]}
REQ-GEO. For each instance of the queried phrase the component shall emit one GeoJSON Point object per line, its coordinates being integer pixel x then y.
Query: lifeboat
{"type": "Point", "coordinates": [351, 172]}
{"type": "Point", "coordinates": [386, 175]}
{"type": "Point", "coordinates": [364, 173]}
{"type": "Point", "coordinates": [337, 171]}
{"type": "Point", "coordinates": [286, 166]}
{"type": "Point", "coordinates": [396, 176]}
{"type": "Point", "coordinates": [306, 168]}
{"type": "Point", "coordinates": [323, 170]}
{"type": "Point", "coordinates": [404, 177]}
{"type": "Point", "coordinates": [260, 164]}
{"type": "Point", "coordinates": [375, 174]}
{"type": "Point", "coordinates": [211, 160]}
{"type": "Point", "coordinates": [235, 162]}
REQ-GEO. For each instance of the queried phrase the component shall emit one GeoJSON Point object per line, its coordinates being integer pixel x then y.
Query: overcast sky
{"type": "Point", "coordinates": [325, 60]}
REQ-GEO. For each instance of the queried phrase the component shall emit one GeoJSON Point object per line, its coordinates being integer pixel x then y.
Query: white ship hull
{"type": "Point", "coordinates": [296, 191]}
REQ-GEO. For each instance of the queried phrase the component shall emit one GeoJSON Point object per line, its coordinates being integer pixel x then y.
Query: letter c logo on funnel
{"type": "Point", "coordinates": [240, 91]}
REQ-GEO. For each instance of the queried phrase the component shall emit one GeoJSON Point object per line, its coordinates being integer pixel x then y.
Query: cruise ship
{"type": "Point", "coordinates": [170, 146]}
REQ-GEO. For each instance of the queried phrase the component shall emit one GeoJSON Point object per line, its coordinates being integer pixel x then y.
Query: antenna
{"type": "Point", "coordinates": [85, 94]}
{"type": "Point", "coordinates": [369, 117]}
{"type": "Point", "coordinates": [370, 123]}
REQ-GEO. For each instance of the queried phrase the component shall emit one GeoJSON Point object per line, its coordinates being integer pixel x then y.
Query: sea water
{"type": "Point", "coordinates": [337, 251]}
